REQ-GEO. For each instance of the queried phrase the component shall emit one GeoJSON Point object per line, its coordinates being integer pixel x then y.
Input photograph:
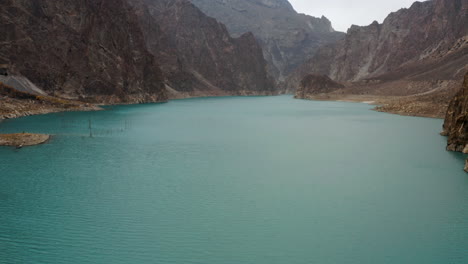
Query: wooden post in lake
{"type": "Point", "coordinates": [90, 129]}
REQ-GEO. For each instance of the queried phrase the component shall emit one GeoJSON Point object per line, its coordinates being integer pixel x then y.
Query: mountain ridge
{"type": "Point", "coordinates": [80, 49]}
{"type": "Point", "coordinates": [287, 37]}
{"type": "Point", "coordinates": [407, 45]}
{"type": "Point", "coordinates": [198, 55]}
{"type": "Point", "coordinates": [101, 52]}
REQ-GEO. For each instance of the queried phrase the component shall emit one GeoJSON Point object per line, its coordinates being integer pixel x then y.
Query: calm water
{"type": "Point", "coordinates": [258, 180]}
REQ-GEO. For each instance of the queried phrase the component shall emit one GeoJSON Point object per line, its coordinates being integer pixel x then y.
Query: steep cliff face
{"type": "Point", "coordinates": [428, 41]}
{"type": "Point", "coordinates": [316, 84]}
{"type": "Point", "coordinates": [287, 38]}
{"type": "Point", "coordinates": [198, 55]}
{"type": "Point", "coordinates": [456, 121]}
{"type": "Point", "coordinates": [80, 48]}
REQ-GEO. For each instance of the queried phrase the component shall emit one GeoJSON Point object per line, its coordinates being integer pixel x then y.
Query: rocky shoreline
{"type": "Point", "coordinates": [398, 105]}
{"type": "Point", "coordinates": [11, 108]}
{"type": "Point", "coordinates": [402, 97]}
{"type": "Point", "coordinates": [20, 140]}
{"type": "Point", "coordinates": [14, 108]}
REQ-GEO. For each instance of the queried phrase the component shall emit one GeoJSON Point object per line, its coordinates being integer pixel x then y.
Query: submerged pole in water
{"type": "Point", "coordinates": [90, 129]}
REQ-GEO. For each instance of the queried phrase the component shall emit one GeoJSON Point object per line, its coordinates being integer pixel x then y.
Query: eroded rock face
{"type": "Point", "coordinates": [317, 84]}
{"type": "Point", "coordinates": [287, 38]}
{"type": "Point", "coordinates": [456, 121]}
{"type": "Point", "coordinates": [80, 48]}
{"type": "Point", "coordinates": [197, 54]}
{"type": "Point", "coordinates": [428, 41]}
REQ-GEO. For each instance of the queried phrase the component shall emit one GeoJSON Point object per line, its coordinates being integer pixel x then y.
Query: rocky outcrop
{"type": "Point", "coordinates": [317, 84]}
{"type": "Point", "coordinates": [84, 49]}
{"type": "Point", "coordinates": [197, 54]}
{"type": "Point", "coordinates": [16, 103]}
{"type": "Point", "coordinates": [287, 38]}
{"type": "Point", "coordinates": [428, 41]}
{"type": "Point", "coordinates": [456, 121]}
{"type": "Point", "coordinates": [20, 140]}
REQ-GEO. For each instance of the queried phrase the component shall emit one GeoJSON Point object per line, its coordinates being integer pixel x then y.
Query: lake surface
{"type": "Point", "coordinates": [238, 180]}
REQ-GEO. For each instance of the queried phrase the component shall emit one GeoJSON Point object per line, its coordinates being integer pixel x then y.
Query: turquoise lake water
{"type": "Point", "coordinates": [235, 180]}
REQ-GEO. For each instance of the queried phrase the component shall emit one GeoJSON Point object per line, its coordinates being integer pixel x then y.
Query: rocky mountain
{"type": "Point", "coordinates": [455, 122]}
{"type": "Point", "coordinates": [80, 49]}
{"type": "Point", "coordinates": [316, 84]}
{"type": "Point", "coordinates": [287, 38]}
{"type": "Point", "coordinates": [197, 54]}
{"type": "Point", "coordinates": [426, 42]}
{"type": "Point", "coordinates": [457, 115]}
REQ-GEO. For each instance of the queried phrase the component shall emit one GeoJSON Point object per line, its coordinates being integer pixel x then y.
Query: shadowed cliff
{"type": "Point", "coordinates": [84, 49]}
{"type": "Point", "coordinates": [197, 54]}
{"type": "Point", "coordinates": [456, 121]}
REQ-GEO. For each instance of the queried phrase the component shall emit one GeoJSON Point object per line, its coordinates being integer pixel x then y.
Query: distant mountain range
{"type": "Point", "coordinates": [288, 39]}
{"type": "Point", "coordinates": [428, 41]}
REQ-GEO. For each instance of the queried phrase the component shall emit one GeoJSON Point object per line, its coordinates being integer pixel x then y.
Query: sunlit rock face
{"type": "Point", "coordinates": [287, 38]}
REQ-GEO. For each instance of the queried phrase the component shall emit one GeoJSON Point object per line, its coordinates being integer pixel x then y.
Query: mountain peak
{"type": "Point", "coordinates": [287, 38]}
{"type": "Point", "coordinates": [280, 4]}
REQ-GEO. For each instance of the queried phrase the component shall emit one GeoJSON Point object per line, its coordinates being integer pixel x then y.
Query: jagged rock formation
{"type": "Point", "coordinates": [287, 38]}
{"type": "Point", "coordinates": [80, 48]}
{"type": "Point", "coordinates": [456, 121]}
{"type": "Point", "coordinates": [197, 54]}
{"type": "Point", "coordinates": [428, 41]}
{"type": "Point", "coordinates": [317, 84]}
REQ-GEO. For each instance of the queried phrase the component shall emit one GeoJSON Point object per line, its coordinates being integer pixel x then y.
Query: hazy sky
{"type": "Point", "coordinates": [344, 13]}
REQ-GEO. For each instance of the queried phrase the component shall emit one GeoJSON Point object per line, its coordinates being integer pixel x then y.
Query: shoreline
{"type": "Point", "coordinates": [396, 105]}
{"type": "Point", "coordinates": [11, 108]}
{"type": "Point", "coordinates": [385, 104]}
{"type": "Point", "coordinates": [23, 108]}
{"type": "Point", "coordinates": [45, 111]}
{"type": "Point", "coordinates": [20, 140]}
